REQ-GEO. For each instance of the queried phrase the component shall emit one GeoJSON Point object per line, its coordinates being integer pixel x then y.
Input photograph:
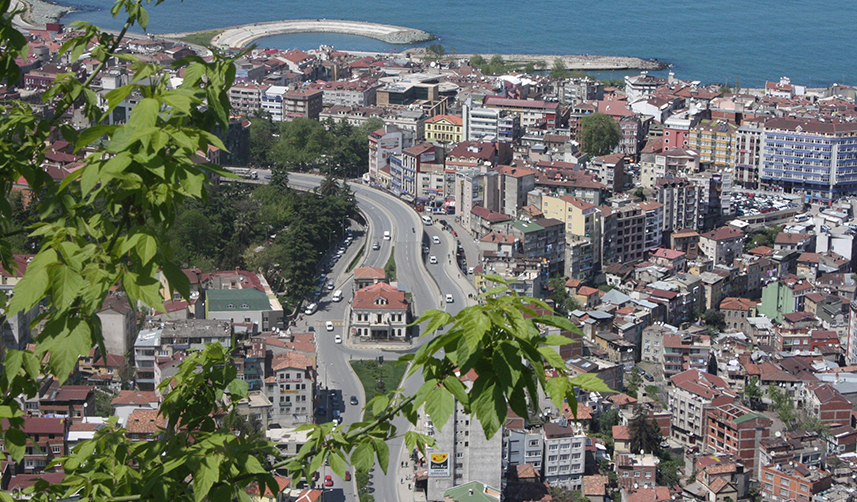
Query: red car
{"type": "Point", "coordinates": [347, 475]}
{"type": "Point", "coordinates": [328, 481]}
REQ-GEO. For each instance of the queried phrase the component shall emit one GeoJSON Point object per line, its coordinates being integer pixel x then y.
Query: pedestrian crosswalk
{"type": "Point", "coordinates": [324, 323]}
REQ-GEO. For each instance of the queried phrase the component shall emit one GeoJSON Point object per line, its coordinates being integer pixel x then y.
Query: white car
{"type": "Point", "coordinates": [337, 339]}
{"type": "Point", "coordinates": [433, 260]}
{"type": "Point", "coordinates": [435, 239]}
{"type": "Point", "coordinates": [449, 299]}
{"type": "Point", "coordinates": [329, 326]}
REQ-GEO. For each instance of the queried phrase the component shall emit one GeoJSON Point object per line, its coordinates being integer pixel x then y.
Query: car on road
{"type": "Point", "coordinates": [354, 400]}
{"type": "Point", "coordinates": [387, 235]}
{"type": "Point", "coordinates": [314, 477]}
{"type": "Point", "coordinates": [328, 481]}
{"type": "Point", "coordinates": [435, 239]}
{"type": "Point", "coordinates": [470, 270]}
{"type": "Point", "coordinates": [376, 246]}
{"type": "Point", "coordinates": [330, 285]}
{"type": "Point", "coordinates": [329, 326]}
{"type": "Point", "coordinates": [337, 339]}
{"type": "Point", "coordinates": [449, 298]}
{"type": "Point", "coordinates": [347, 475]}
{"type": "Point", "coordinates": [433, 260]}
{"type": "Point", "coordinates": [649, 377]}
{"type": "Point", "coordinates": [311, 308]}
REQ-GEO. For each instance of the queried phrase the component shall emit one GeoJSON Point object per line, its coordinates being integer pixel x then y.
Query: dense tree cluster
{"type": "Point", "coordinates": [270, 229]}
{"type": "Point", "coordinates": [599, 134]}
{"type": "Point", "coordinates": [303, 145]}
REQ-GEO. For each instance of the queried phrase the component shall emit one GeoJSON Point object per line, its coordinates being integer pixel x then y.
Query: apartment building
{"type": "Point", "coordinates": [793, 482]}
{"type": "Point", "coordinates": [654, 224]}
{"type": "Point", "coordinates": [564, 454]}
{"type": "Point", "coordinates": [685, 352]}
{"type": "Point", "coordinates": [722, 245]}
{"type": "Point", "coordinates": [715, 142]}
{"type": "Point", "coordinates": [358, 92]}
{"type": "Point", "coordinates": [736, 430]}
{"type": "Point", "coordinates": [811, 156]}
{"type": "Point", "coordinates": [636, 470]}
{"type": "Point", "coordinates": [302, 103]}
{"type": "Point", "coordinates": [465, 452]}
{"type": "Point", "coordinates": [246, 97]}
{"type": "Point", "coordinates": [629, 246]}
{"type": "Point", "coordinates": [691, 392]}
{"type": "Point", "coordinates": [291, 388]}
{"type": "Point", "coordinates": [610, 170]}
{"type": "Point", "coordinates": [533, 113]}
{"type": "Point", "coordinates": [681, 199]}
{"type": "Point", "coordinates": [677, 162]}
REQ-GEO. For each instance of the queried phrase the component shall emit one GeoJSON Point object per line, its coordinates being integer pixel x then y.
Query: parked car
{"type": "Point", "coordinates": [354, 400]}
{"type": "Point", "coordinates": [347, 475]}
{"type": "Point", "coordinates": [328, 481]}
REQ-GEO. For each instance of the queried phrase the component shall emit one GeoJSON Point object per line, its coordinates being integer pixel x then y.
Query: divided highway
{"type": "Point", "coordinates": [428, 284]}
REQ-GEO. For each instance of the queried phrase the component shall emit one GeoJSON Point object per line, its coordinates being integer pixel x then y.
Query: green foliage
{"type": "Point", "coordinates": [530, 68]}
{"type": "Point", "coordinates": [495, 66]}
{"type": "Point", "coordinates": [714, 319]}
{"type": "Point", "coordinates": [669, 470]}
{"type": "Point", "coordinates": [559, 70]}
{"type": "Point", "coordinates": [599, 134]}
{"type": "Point", "coordinates": [109, 225]}
{"type": "Point", "coordinates": [644, 431]}
{"type": "Point", "coordinates": [640, 193]}
{"type": "Point", "coordinates": [764, 237]}
{"type": "Point", "coordinates": [201, 37]}
{"type": "Point", "coordinates": [337, 148]}
{"type": "Point", "coordinates": [633, 381]}
{"type": "Point", "coordinates": [752, 392]}
{"type": "Point", "coordinates": [377, 379]}
{"type": "Point", "coordinates": [813, 423]}
{"type": "Point", "coordinates": [783, 405]}
{"type": "Point", "coordinates": [564, 302]}
{"type": "Point", "coordinates": [103, 408]}
{"type": "Point", "coordinates": [436, 50]}
{"type": "Point", "coordinates": [390, 266]}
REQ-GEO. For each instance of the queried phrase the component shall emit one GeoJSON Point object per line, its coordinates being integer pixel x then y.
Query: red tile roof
{"type": "Point", "coordinates": [292, 360]}
{"type": "Point", "coordinates": [145, 422]}
{"type": "Point", "coordinates": [723, 233]}
{"type": "Point", "coordinates": [388, 298]}
{"type": "Point", "coordinates": [138, 397]}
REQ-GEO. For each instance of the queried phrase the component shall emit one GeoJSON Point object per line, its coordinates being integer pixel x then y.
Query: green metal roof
{"type": "Point", "coordinates": [527, 227]}
{"type": "Point", "coordinates": [238, 300]}
{"type": "Point", "coordinates": [748, 417]}
{"type": "Point", "coordinates": [462, 493]}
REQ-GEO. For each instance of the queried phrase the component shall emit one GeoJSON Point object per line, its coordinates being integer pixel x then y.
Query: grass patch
{"type": "Point", "coordinates": [356, 259]}
{"type": "Point", "coordinates": [202, 37]}
{"type": "Point", "coordinates": [390, 267]}
{"type": "Point", "coordinates": [378, 379]}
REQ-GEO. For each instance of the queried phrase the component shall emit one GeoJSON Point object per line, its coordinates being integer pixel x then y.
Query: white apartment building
{"type": "Point", "coordinates": [564, 454]}
{"type": "Point", "coordinates": [691, 393]}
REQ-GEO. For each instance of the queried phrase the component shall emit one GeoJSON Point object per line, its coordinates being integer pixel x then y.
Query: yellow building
{"type": "Point", "coordinates": [715, 141]}
{"type": "Point", "coordinates": [443, 129]}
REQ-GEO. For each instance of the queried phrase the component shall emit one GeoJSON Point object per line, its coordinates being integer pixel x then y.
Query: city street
{"type": "Point", "coordinates": [408, 234]}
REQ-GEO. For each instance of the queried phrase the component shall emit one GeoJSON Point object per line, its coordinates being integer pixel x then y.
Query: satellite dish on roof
{"type": "Point", "coordinates": [778, 434]}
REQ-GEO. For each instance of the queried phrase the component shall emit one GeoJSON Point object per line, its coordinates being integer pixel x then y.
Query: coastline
{"type": "Point", "coordinates": [38, 13]}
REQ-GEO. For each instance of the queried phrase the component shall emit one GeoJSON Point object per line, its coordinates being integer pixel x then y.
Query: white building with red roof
{"type": "Point", "coordinates": [380, 312]}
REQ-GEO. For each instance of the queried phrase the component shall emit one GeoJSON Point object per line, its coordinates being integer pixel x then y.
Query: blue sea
{"type": "Point", "coordinates": [813, 43]}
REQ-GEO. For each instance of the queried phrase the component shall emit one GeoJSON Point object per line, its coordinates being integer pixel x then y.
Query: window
{"type": "Point", "coordinates": [56, 449]}
{"type": "Point", "coordinates": [553, 447]}
{"type": "Point", "coordinates": [636, 474]}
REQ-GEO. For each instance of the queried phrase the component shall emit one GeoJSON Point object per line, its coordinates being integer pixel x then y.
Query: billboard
{"type": "Point", "coordinates": [439, 465]}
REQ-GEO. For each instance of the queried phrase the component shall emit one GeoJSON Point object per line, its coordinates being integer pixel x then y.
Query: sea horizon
{"type": "Point", "coordinates": [744, 43]}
